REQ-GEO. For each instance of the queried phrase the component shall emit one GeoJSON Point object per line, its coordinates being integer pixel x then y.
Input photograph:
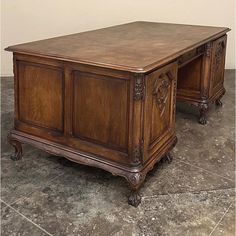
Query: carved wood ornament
{"type": "Point", "coordinates": [161, 89]}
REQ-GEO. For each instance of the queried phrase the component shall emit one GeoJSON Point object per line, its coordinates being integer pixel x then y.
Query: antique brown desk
{"type": "Point", "coordinates": [106, 98]}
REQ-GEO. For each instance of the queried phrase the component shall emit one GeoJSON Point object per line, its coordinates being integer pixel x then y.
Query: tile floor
{"type": "Point", "coordinates": [194, 195]}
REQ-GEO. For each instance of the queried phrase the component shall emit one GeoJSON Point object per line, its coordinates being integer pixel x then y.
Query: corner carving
{"type": "Point", "coordinates": [139, 88]}
{"type": "Point", "coordinates": [161, 89]}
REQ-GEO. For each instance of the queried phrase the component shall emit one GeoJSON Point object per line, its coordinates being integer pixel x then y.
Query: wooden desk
{"type": "Point", "coordinates": [106, 98]}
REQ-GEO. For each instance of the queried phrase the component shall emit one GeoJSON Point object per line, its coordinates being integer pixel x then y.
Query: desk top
{"type": "Point", "coordinates": [137, 46]}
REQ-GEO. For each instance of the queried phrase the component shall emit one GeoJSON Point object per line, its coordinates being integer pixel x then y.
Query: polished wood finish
{"type": "Point", "coordinates": [107, 98]}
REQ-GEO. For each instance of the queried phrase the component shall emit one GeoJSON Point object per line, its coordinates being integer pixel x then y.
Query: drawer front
{"type": "Point", "coordinates": [159, 117]}
{"type": "Point", "coordinates": [191, 55]}
{"type": "Point", "coordinates": [218, 64]}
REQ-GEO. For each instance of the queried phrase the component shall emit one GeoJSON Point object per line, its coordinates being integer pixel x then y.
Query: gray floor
{"type": "Point", "coordinates": [194, 195]}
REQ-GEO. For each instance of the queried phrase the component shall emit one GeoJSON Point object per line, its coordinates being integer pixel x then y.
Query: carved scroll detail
{"type": "Point", "coordinates": [161, 89]}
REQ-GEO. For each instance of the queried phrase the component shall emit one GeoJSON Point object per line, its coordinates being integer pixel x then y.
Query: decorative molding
{"type": "Point", "coordinates": [139, 88]}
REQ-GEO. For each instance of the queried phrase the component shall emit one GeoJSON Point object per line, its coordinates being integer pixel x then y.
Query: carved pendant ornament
{"type": "Point", "coordinates": [161, 89]}
{"type": "Point", "coordinates": [138, 88]}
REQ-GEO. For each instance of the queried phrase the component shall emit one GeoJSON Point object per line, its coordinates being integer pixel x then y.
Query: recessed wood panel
{"type": "Point", "coordinates": [100, 109]}
{"type": "Point", "coordinates": [40, 95]}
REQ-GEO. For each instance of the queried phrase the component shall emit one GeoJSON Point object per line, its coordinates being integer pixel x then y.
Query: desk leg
{"type": "Point", "coordinates": [18, 148]}
{"type": "Point", "coordinates": [203, 108]}
{"type": "Point", "coordinates": [135, 181]}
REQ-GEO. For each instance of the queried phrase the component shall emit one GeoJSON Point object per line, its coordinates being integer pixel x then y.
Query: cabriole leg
{"type": "Point", "coordinates": [18, 148]}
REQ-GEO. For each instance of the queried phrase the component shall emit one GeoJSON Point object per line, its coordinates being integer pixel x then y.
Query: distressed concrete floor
{"type": "Point", "coordinates": [194, 195]}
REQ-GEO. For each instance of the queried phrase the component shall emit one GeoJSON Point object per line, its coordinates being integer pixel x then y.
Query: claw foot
{"type": "Point", "coordinates": [134, 199]}
{"type": "Point", "coordinates": [203, 108]}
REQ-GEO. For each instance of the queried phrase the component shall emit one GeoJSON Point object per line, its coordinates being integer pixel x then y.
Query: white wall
{"type": "Point", "coordinates": [28, 20]}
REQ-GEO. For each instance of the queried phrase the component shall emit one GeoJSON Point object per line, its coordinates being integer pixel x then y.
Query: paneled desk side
{"type": "Point", "coordinates": [119, 121]}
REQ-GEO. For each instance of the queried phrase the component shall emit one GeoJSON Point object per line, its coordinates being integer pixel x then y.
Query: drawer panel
{"type": "Point", "coordinates": [191, 55]}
